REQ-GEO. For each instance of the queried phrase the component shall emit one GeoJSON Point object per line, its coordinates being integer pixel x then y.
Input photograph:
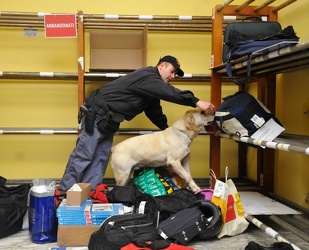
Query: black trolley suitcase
{"type": "Point", "coordinates": [183, 226]}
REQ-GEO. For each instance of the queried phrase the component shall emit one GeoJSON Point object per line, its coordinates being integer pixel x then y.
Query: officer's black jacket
{"type": "Point", "coordinates": [141, 91]}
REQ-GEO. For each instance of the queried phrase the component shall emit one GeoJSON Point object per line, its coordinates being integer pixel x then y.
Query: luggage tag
{"type": "Point", "coordinates": [220, 195]}
{"type": "Point", "coordinates": [221, 188]}
{"type": "Point", "coordinates": [258, 121]}
{"type": "Point", "coordinates": [141, 208]}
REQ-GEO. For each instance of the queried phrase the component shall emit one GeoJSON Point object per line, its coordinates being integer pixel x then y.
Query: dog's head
{"type": "Point", "coordinates": [193, 121]}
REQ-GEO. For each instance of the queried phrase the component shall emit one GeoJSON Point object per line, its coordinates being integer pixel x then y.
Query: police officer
{"type": "Point", "coordinates": [123, 99]}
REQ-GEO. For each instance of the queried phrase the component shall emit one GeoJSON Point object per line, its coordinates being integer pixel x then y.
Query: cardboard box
{"type": "Point", "coordinates": [75, 235]}
{"type": "Point", "coordinates": [77, 198]}
{"type": "Point", "coordinates": [118, 50]}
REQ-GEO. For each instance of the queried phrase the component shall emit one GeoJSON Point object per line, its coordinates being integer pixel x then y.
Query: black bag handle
{"type": "Point", "coordinates": [155, 245]}
{"type": "Point", "coordinates": [252, 17]}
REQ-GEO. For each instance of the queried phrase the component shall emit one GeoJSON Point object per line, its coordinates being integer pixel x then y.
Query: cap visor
{"type": "Point", "coordinates": [180, 72]}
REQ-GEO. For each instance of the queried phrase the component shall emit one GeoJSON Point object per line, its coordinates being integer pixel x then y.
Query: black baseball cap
{"type": "Point", "coordinates": [174, 62]}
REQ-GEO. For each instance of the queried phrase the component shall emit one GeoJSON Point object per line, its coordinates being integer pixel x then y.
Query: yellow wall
{"type": "Point", "coordinates": [292, 169]}
{"type": "Point", "coordinates": [38, 103]}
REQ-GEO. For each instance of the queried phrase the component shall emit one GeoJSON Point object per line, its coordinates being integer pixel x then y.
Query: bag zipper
{"type": "Point", "coordinates": [116, 221]}
{"type": "Point", "coordinates": [132, 226]}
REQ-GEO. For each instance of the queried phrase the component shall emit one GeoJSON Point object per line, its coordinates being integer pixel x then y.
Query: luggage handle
{"type": "Point", "coordinates": [253, 17]}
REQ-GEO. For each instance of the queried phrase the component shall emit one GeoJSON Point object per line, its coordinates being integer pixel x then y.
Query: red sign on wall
{"type": "Point", "coordinates": [60, 25]}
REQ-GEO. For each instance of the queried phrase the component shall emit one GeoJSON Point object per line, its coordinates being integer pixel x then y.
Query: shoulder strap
{"type": "Point", "coordinates": [229, 72]}
{"type": "Point", "coordinates": [96, 101]}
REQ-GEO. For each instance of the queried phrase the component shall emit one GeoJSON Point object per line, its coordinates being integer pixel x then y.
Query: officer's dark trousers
{"type": "Point", "coordinates": [89, 159]}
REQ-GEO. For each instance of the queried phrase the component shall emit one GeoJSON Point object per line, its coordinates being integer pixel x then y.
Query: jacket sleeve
{"type": "Point", "coordinates": [154, 87]}
{"type": "Point", "coordinates": [155, 114]}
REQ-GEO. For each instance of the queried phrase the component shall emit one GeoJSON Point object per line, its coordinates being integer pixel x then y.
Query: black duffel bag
{"type": "Point", "coordinates": [13, 207]}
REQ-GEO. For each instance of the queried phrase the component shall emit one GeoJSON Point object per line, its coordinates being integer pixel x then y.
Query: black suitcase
{"type": "Point", "coordinates": [183, 226]}
{"type": "Point", "coordinates": [248, 29]}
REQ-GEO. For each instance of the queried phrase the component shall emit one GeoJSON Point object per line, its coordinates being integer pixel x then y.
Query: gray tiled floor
{"type": "Point", "coordinates": [22, 240]}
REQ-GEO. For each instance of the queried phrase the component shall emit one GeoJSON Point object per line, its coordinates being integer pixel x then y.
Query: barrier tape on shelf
{"type": "Point", "coordinates": [112, 74]}
{"type": "Point", "coordinates": [50, 74]}
{"type": "Point", "coordinates": [229, 18]}
{"type": "Point", "coordinates": [47, 132]}
{"type": "Point", "coordinates": [111, 16]}
{"type": "Point", "coordinates": [147, 17]}
{"type": "Point", "coordinates": [185, 18]}
{"type": "Point", "coordinates": [42, 14]}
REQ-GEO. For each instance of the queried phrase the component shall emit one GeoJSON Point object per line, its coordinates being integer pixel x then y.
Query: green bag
{"type": "Point", "coordinates": [147, 181]}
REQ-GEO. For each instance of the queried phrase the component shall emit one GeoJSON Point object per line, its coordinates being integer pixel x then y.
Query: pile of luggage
{"type": "Point", "coordinates": [157, 221]}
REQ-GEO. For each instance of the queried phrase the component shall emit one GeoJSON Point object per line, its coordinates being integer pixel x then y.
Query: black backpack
{"type": "Point", "coordinates": [118, 231]}
{"type": "Point", "coordinates": [162, 207]}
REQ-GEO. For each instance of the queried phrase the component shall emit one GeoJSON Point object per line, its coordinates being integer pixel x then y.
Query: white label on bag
{"type": "Point", "coordinates": [218, 188]}
{"type": "Point", "coordinates": [163, 235]}
{"type": "Point", "coordinates": [258, 121]}
{"type": "Point", "coordinates": [141, 207]}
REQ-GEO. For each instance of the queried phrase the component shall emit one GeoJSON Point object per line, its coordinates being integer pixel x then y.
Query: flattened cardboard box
{"type": "Point", "coordinates": [118, 50]}
{"type": "Point", "coordinates": [77, 198]}
{"type": "Point", "coordinates": [75, 235]}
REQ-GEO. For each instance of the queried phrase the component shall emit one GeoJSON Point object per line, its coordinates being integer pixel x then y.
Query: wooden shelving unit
{"type": "Point", "coordinates": [264, 69]}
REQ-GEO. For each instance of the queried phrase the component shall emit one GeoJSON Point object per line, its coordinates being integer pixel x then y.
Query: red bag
{"type": "Point", "coordinates": [172, 246]}
{"type": "Point", "coordinates": [99, 194]}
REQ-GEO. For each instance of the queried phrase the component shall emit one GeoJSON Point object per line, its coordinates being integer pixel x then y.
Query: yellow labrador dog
{"type": "Point", "coordinates": [169, 147]}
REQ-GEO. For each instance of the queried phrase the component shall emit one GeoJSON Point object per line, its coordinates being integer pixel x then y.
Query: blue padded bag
{"type": "Point", "coordinates": [241, 114]}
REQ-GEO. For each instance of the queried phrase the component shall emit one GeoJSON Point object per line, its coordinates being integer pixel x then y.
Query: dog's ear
{"type": "Point", "coordinates": [190, 122]}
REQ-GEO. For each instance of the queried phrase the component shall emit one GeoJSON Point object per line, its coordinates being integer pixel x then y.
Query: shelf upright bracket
{"type": "Point", "coordinates": [81, 58]}
{"type": "Point", "coordinates": [215, 91]}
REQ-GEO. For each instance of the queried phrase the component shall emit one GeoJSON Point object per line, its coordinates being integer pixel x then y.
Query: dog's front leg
{"type": "Point", "coordinates": [178, 168]}
{"type": "Point", "coordinates": [185, 163]}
